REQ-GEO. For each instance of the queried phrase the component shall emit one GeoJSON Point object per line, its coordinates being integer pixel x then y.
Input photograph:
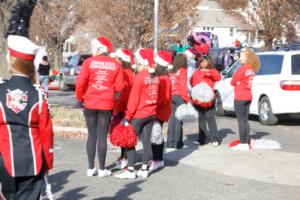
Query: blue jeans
{"type": "Point", "coordinates": [44, 81]}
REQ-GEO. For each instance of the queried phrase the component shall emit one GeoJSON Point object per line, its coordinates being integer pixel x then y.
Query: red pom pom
{"type": "Point", "coordinates": [234, 143]}
{"type": "Point", "coordinates": [123, 136]}
{"type": "Point", "coordinates": [114, 122]}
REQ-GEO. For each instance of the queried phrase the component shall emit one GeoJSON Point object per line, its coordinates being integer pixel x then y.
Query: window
{"type": "Point", "coordinates": [208, 28]}
{"type": "Point", "coordinates": [212, 28]}
{"type": "Point", "coordinates": [296, 64]}
{"type": "Point", "coordinates": [204, 28]}
{"type": "Point", "coordinates": [234, 68]}
{"type": "Point", "coordinates": [270, 64]}
{"type": "Point", "coordinates": [74, 60]}
{"type": "Point", "coordinates": [231, 31]}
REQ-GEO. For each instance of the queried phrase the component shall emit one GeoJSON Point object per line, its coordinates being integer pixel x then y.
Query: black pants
{"type": "Point", "coordinates": [158, 149]}
{"type": "Point", "coordinates": [20, 188]}
{"type": "Point", "coordinates": [175, 126]}
{"type": "Point", "coordinates": [97, 122]}
{"type": "Point", "coordinates": [143, 128]}
{"type": "Point", "coordinates": [120, 116]}
{"type": "Point", "coordinates": [207, 117]}
{"type": "Point", "coordinates": [242, 114]}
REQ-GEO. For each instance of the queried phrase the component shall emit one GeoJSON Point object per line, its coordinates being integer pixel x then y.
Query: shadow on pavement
{"type": "Point", "coordinates": [60, 179]}
{"type": "Point", "coordinates": [124, 193]}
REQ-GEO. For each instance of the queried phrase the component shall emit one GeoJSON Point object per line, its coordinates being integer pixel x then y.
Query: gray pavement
{"type": "Point", "coordinates": [191, 173]}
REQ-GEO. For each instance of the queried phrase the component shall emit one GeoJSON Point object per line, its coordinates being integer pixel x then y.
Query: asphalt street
{"type": "Point", "coordinates": [191, 173]}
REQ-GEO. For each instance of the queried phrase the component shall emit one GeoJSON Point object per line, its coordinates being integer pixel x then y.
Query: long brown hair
{"type": "Point", "coordinates": [251, 58]}
{"type": "Point", "coordinates": [179, 61]}
{"type": "Point", "coordinates": [208, 59]}
{"type": "Point", "coordinates": [20, 66]}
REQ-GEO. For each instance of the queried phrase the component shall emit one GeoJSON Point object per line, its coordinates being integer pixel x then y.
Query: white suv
{"type": "Point", "coordinates": [275, 89]}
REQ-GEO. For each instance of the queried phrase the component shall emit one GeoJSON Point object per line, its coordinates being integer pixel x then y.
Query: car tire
{"type": "Point", "coordinates": [62, 86]}
{"type": "Point", "coordinates": [218, 105]}
{"type": "Point", "coordinates": [265, 113]}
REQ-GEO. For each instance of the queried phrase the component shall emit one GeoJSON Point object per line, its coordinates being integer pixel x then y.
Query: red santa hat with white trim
{"type": "Point", "coordinates": [125, 55]}
{"type": "Point", "coordinates": [21, 47]}
{"type": "Point", "coordinates": [145, 56]}
{"type": "Point", "coordinates": [164, 58]}
{"type": "Point", "coordinates": [102, 43]}
{"type": "Point", "coordinates": [190, 53]}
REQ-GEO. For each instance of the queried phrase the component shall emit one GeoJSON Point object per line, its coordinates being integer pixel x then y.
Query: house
{"type": "Point", "coordinates": [212, 18]}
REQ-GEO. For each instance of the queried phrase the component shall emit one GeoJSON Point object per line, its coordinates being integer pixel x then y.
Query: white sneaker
{"type": "Point", "coordinates": [215, 144]}
{"type": "Point", "coordinates": [156, 165]}
{"type": "Point", "coordinates": [241, 147]}
{"type": "Point", "coordinates": [91, 172]}
{"type": "Point", "coordinates": [142, 173]}
{"type": "Point", "coordinates": [126, 174]}
{"type": "Point", "coordinates": [104, 173]}
{"type": "Point", "coordinates": [121, 164]}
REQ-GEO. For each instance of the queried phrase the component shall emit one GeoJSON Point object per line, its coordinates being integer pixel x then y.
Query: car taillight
{"type": "Point", "coordinates": [290, 85]}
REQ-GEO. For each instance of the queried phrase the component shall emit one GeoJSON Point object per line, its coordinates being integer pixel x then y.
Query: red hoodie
{"type": "Point", "coordinates": [142, 100]}
{"type": "Point", "coordinates": [127, 82]}
{"type": "Point", "coordinates": [164, 100]}
{"type": "Point", "coordinates": [209, 76]}
{"type": "Point", "coordinates": [242, 82]}
{"type": "Point", "coordinates": [99, 78]}
{"type": "Point", "coordinates": [179, 84]}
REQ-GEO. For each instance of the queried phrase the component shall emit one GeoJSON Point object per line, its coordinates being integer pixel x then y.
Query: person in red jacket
{"type": "Point", "coordinates": [99, 82]}
{"type": "Point", "coordinates": [202, 82]}
{"type": "Point", "coordinates": [178, 76]}
{"type": "Point", "coordinates": [141, 110]}
{"type": "Point", "coordinates": [242, 83]}
{"type": "Point", "coordinates": [126, 58]}
{"type": "Point", "coordinates": [26, 136]}
{"type": "Point", "coordinates": [163, 61]}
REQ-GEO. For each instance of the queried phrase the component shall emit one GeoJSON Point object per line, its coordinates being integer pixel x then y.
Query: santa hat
{"type": "Point", "coordinates": [145, 57]}
{"type": "Point", "coordinates": [21, 47]}
{"type": "Point", "coordinates": [125, 55]}
{"type": "Point", "coordinates": [190, 53]}
{"type": "Point", "coordinates": [102, 43]}
{"type": "Point", "coordinates": [164, 59]}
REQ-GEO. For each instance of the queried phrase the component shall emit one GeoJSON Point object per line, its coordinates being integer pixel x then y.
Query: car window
{"type": "Point", "coordinates": [296, 64]}
{"type": "Point", "coordinates": [83, 58]}
{"type": "Point", "coordinates": [234, 68]}
{"type": "Point", "coordinates": [270, 64]}
{"type": "Point", "coordinates": [73, 62]}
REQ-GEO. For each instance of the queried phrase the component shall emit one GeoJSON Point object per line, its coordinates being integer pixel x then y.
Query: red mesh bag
{"type": "Point", "coordinates": [123, 136]}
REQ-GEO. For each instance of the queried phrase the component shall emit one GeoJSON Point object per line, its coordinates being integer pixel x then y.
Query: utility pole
{"type": "Point", "coordinates": [156, 6]}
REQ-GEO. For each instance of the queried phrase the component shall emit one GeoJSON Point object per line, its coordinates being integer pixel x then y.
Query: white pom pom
{"type": "Point", "coordinates": [265, 144]}
{"type": "Point", "coordinates": [157, 134]}
{"type": "Point", "coordinates": [134, 66]}
{"type": "Point", "coordinates": [202, 92]}
{"type": "Point", "coordinates": [151, 70]}
{"type": "Point", "coordinates": [186, 113]}
{"type": "Point", "coordinates": [170, 66]}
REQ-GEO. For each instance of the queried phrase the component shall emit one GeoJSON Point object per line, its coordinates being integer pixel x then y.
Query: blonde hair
{"type": "Point", "coordinates": [251, 59]}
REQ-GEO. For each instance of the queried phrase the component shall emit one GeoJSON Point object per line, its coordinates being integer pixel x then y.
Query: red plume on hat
{"type": "Point", "coordinates": [144, 56]}
{"type": "Point", "coordinates": [102, 43]}
{"type": "Point", "coordinates": [164, 58]}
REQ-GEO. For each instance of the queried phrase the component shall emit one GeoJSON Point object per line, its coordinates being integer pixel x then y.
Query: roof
{"type": "Point", "coordinates": [211, 14]}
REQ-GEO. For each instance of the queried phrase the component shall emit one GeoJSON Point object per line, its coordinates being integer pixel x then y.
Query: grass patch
{"type": "Point", "coordinates": [68, 117]}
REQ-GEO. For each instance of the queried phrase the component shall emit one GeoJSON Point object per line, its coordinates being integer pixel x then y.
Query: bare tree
{"type": "Point", "coordinates": [5, 8]}
{"type": "Point", "coordinates": [270, 17]}
{"type": "Point", "coordinates": [52, 24]}
{"type": "Point", "coordinates": [130, 22]}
